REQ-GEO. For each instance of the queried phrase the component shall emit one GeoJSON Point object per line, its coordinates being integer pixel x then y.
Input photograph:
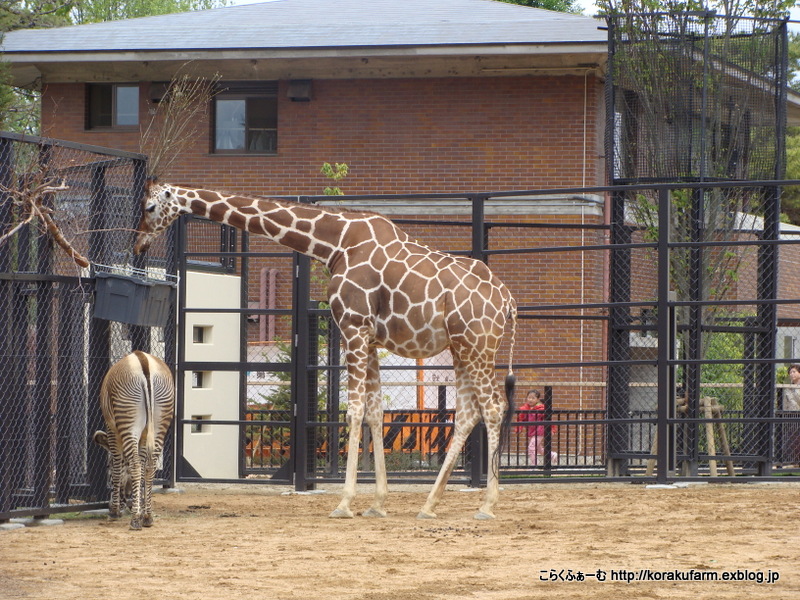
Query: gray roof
{"type": "Point", "coordinates": [284, 24]}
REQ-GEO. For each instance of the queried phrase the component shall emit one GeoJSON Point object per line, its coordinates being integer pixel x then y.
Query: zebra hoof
{"type": "Point", "coordinates": [136, 524]}
{"type": "Point", "coordinates": [147, 521]}
{"type": "Point", "coordinates": [114, 515]}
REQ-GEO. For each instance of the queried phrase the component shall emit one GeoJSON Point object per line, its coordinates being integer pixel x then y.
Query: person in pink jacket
{"type": "Point", "coordinates": [532, 411]}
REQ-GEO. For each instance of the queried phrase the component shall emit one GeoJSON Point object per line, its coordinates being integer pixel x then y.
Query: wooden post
{"type": "Point", "coordinates": [713, 410]}
{"type": "Point", "coordinates": [705, 404]}
{"type": "Point", "coordinates": [651, 462]}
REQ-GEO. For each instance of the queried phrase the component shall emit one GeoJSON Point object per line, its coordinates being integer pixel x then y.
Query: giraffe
{"type": "Point", "coordinates": [385, 290]}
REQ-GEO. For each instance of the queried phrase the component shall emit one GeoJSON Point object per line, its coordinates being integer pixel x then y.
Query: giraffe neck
{"type": "Point", "coordinates": [307, 229]}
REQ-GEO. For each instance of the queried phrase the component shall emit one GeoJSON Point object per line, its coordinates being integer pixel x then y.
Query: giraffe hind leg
{"type": "Point", "coordinates": [463, 427]}
{"type": "Point", "coordinates": [493, 419]}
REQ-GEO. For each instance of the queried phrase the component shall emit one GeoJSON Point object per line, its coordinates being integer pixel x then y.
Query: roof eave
{"type": "Point", "coordinates": [30, 68]}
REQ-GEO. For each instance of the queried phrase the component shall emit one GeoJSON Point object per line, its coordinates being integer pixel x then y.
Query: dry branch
{"type": "Point", "coordinates": [31, 201]}
{"type": "Point", "coordinates": [176, 121]}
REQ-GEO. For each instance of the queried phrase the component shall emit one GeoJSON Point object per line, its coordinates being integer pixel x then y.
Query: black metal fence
{"type": "Point", "coordinates": [55, 350]}
{"type": "Point", "coordinates": [627, 394]}
{"type": "Point", "coordinates": [640, 380]}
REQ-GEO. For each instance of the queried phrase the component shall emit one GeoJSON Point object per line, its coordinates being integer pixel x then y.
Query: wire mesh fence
{"type": "Point", "coordinates": [647, 382]}
{"type": "Point", "coordinates": [696, 94]}
{"type": "Point", "coordinates": [55, 349]}
{"type": "Point", "coordinates": [658, 320]}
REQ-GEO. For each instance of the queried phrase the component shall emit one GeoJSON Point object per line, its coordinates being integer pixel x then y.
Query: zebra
{"type": "Point", "coordinates": [137, 399]}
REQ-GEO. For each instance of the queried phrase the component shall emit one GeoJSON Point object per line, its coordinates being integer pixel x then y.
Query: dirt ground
{"type": "Point", "coordinates": [257, 542]}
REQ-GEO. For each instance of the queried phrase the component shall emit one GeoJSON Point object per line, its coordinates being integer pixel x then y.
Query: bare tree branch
{"type": "Point", "coordinates": [31, 199]}
{"type": "Point", "coordinates": [175, 123]}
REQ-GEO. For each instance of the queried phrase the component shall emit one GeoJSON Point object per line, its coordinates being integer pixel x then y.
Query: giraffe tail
{"type": "Point", "coordinates": [510, 384]}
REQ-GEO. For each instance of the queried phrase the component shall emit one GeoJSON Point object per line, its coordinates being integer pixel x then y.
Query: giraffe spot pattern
{"type": "Point", "coordinates": [385, 290]}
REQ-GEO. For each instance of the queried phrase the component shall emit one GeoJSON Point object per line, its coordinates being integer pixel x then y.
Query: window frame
{"type": "Point", "coordinates": [247, 92]}
{"type": "Point", "coordinates": [90, 117]}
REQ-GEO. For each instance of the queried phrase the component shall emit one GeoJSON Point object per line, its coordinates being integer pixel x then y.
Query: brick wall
{"type": "Point", "coordinates": [397, 136]}
{"type": "Point", "coordinates": [426, 136]}
{"type": "Point", "coordinates": [536, 279]}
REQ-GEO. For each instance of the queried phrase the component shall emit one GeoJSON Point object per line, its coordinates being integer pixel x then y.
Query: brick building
{"type": "Point", "coordinates": [417, 97]}
{"type": "Point", "coordinates": [450, 96]}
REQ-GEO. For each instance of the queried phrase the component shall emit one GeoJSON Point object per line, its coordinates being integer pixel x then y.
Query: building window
{"type": "Point", "coordinates": [197, 425]}
{"type": "Point", "coordinates": [112, 105]}
{"type": "Point", "coordinates": [201, 334]}
{"type": "Point", "coordinates": [246, 119]}
{"type": "Point", "coordinates": [201, 379]}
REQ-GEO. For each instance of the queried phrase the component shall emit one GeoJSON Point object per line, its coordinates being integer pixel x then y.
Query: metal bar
{"type": "Point", "coordinates": [301, 290]}
{"type": "Point", "coordinates": [476, 441]}
{"type": "Point", "coordinates": [666, 341]}
{"type": "Point", "coordinates": [34, 139]}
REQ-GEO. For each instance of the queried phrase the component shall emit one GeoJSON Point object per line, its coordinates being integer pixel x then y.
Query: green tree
{"type": "Point", "coordinates": [790, 199]}
{"type": "Point", "coordinates": [567, 6]}
{"type": "Point", "coordinates": [660, 136]}
{"type": "Point", "coordinates": [93, 11]}
{"type": "Point", "coordinates": [743, 8]}
{"type": "Point", "coordinates": [19, 109]}
{"type": "Point", "coordinates": [33, 14]}
{"type": "Point", "coordinates": [335, 173]}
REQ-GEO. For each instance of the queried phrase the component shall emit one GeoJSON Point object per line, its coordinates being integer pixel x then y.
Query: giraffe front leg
{"type": "Point", "coordinates": [374, 417]}
{"type": "Point", "coordinates": [381, 487]}
{"type": "Point", "coordinates": [357, 357]}
{"type": "Point", "coordinates": [355, 416]}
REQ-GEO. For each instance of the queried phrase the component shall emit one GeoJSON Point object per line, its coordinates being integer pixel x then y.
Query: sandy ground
{"type": "Point", "coordinates": [254, 542]}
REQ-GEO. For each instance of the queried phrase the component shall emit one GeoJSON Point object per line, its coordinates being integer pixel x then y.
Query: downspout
{"type": "Point", "coordinates": [267, 300]}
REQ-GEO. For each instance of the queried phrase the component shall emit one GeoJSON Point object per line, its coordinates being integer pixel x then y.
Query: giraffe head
{"type": "Point", "coordinates": [160, 207]}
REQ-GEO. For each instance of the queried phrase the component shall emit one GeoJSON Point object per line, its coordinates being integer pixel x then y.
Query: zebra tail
{"type": "Point", "coordinates": [149, 407]}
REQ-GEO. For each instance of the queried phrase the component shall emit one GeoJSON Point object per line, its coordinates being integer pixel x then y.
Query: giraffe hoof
{"type": "Point", "coordinates": [374, 513]}
{"type": "Point", "coordinates": [341, 513]}
{"type": "Point", "coordinates": [425, 515]}
{"type": "Point", "coordinates": [482, 516]}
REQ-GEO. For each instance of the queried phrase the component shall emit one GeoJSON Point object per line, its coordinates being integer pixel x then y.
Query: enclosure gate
{"type": "Point", "coordinates": [55, 350]}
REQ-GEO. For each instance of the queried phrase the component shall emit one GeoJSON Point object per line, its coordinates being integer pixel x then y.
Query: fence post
{"type": "Point", "coordinates": [41, 401]}
{"type": "Point", "coordinates": [300, 362]}
{"type": "Point", "coordinates": [477, 439]}
{"type": "Point", "coordinates": [7, 408]}
{"type": "Point", "coordinates": [99, 355]}
{"type": "Point", "coordinates": [619, 351]}
{"type": "Point", "coordinates": [548, 430]}
{"type": "Point", "coordinates": [666, 342]}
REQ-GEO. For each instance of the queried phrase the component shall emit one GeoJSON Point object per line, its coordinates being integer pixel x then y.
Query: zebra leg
{"type": "Point", "coordinates": [115, 504]}
{"type": "Point", "coordinates": [135, 469]}
{"type": "Point", "coordinates": [117, 464]}
{"type": "Point", "coordinates": [149, 475]}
